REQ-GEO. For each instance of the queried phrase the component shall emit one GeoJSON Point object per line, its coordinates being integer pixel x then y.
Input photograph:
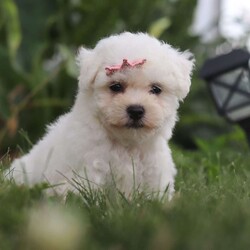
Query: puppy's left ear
{"type": "Point", "coordinates": [185, 66]}
{"type": "Point", "coordinates": [88, 67]}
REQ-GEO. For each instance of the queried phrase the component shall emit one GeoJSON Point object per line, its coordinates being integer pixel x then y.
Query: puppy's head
{"type": "Point", "coordinates": [136, 83]}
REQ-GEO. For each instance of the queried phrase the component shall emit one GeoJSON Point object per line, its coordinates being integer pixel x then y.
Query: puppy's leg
{"type": "Point", "coordinates": [160, 174]}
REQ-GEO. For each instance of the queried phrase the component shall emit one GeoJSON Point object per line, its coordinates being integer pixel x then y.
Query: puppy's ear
{"type": "Point", "coordinates": [88, 67]}
{"type": "Point", "coordinates": [185, 64]}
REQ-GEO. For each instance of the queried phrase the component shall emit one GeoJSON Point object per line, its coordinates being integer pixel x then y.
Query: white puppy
{"type": "Point", "coordinates": [130, 86]}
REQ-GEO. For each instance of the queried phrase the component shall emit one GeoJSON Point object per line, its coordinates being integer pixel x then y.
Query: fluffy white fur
{"type": "Point", "coordinates": [93, 139]}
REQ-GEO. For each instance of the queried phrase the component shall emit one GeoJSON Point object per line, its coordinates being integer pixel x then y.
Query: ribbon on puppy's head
{"type": "Point", "coordinates": [125, 64]}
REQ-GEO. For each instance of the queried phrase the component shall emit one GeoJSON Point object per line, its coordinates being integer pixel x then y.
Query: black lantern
{"type": "Point", "coordinates": [228, 79]}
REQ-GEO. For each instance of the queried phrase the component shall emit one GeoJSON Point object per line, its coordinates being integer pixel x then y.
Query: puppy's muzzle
{"type": "Point", "coordinates": [135, 112]}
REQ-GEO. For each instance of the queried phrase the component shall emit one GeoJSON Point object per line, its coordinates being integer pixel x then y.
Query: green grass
{"type": "Point", "coordinates": [211, 210]}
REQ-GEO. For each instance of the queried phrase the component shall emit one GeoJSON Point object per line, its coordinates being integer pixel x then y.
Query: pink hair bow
{"type": "Point", "coordinates": [125, 64]}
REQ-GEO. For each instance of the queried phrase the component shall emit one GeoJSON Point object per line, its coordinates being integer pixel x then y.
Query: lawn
{"type": "Point", "coordinates": [210, 210]}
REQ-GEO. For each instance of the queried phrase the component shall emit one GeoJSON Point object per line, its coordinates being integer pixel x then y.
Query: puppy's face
{"type": "Point", "coordinates": [133, 102]}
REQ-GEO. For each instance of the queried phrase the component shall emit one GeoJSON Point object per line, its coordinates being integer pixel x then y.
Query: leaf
{"type": "Point", "coordinates": [69, 57]}
{"type": "Point", "coordinates": [12, 26]}
{"type": "Point", "coordinates": [159, 26]}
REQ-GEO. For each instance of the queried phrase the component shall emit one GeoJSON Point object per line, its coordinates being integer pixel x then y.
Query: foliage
{"type": "Point", "coordinates": [38, 43]}
{"type": "Point", "coordinates": [210, 209]}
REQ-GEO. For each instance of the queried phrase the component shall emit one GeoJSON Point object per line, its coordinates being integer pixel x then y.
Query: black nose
{"type": "Point", "coordinates": [135, 112]}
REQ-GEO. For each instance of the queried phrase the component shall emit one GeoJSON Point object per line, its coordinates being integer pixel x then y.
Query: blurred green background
{"type": "Point", "coordinates": [38, 74]}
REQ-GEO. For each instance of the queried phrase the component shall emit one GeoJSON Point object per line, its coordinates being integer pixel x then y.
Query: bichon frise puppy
{"type": "Point", "coordinates": [130, 86]}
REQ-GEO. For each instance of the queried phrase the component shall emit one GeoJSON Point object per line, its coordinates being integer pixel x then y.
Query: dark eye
{"type": "Point", "coordinates": [156, 90]}
{"type": "Point", "coordinates": [116, 87]}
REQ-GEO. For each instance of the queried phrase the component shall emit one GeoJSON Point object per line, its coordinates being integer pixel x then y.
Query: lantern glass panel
{"type": "Point", "coordinates": [239, 114]}
{"type": "Point", "coordinates": [220, 93]}
{"type": "Point", "coordinates": [237, 99]}
{"type": "Point", "coordinates": [245, 82]}
{"type": "Point", "coordinates": [230, 77]}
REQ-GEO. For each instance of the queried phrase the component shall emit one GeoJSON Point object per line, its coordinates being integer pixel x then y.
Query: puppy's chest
{"type": "Point", "coordinates": [128, 162]}
{"type": "Point", "coordinates": [124, 164]}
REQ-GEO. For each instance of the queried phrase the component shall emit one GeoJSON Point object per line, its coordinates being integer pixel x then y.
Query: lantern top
{"type": "Point", "coordinates": [224, 63]}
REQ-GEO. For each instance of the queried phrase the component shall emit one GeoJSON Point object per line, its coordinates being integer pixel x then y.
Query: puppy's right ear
{"type": "Point", "coordinates": [88, 67]}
